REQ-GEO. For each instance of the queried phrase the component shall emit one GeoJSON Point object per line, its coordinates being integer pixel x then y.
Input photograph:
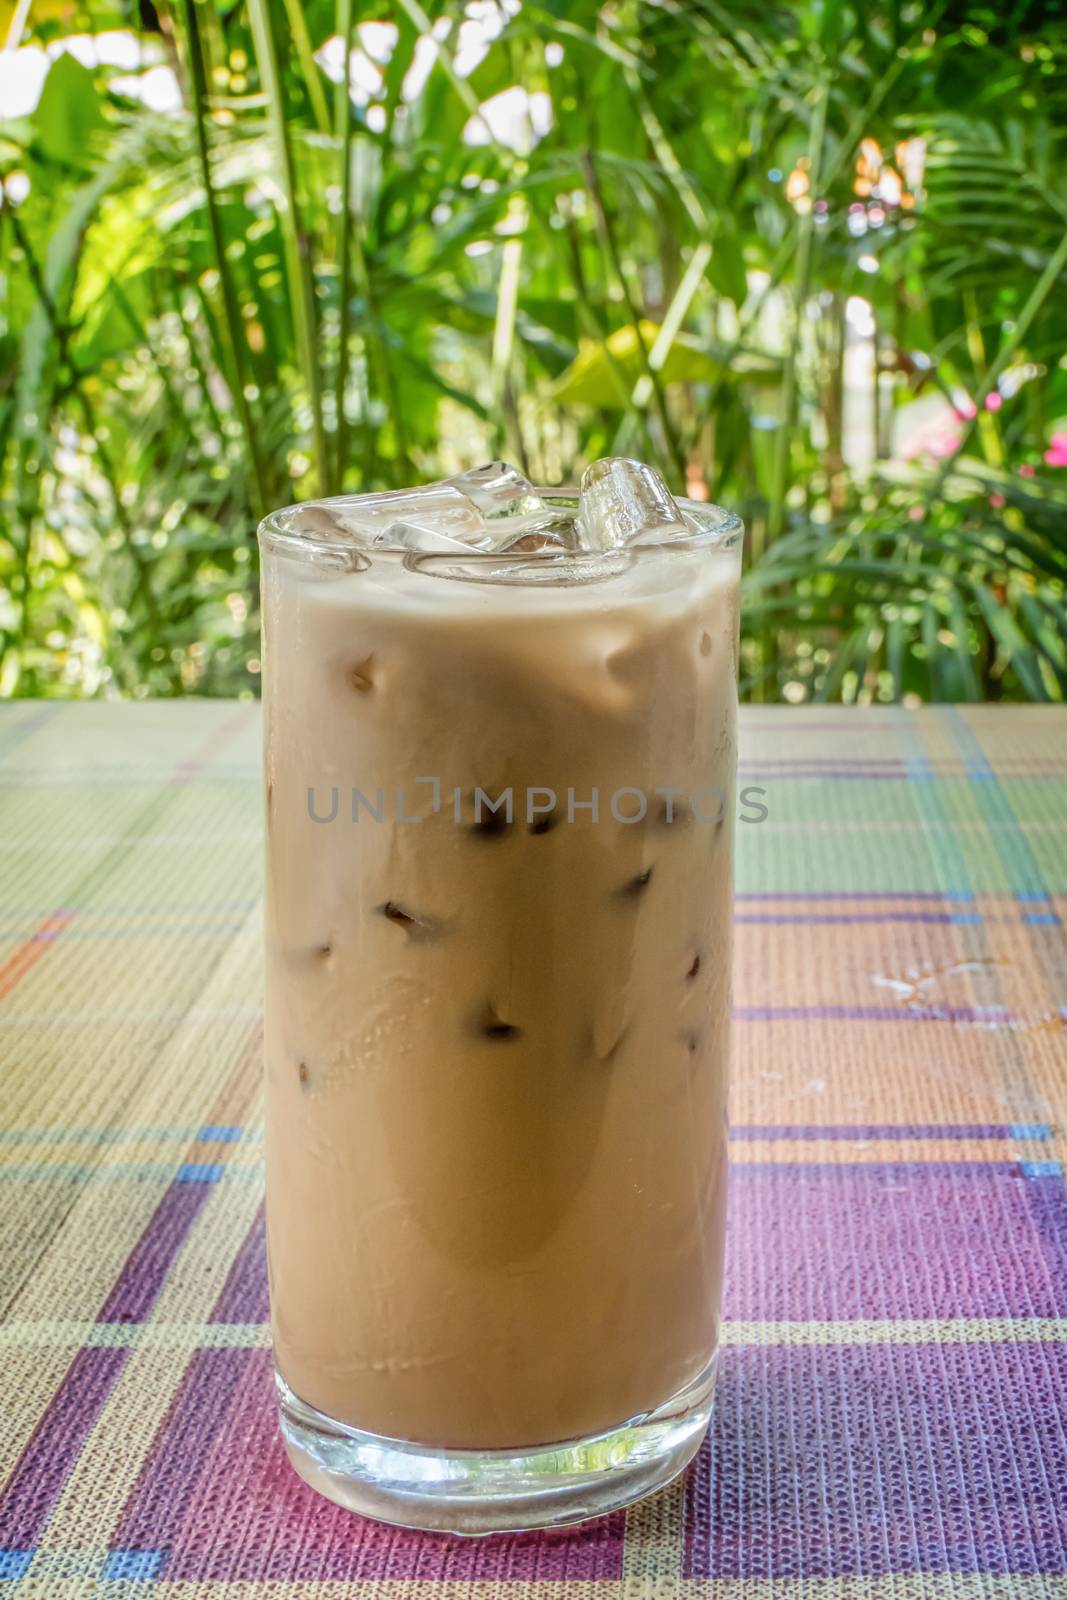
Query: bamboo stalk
{"type": "Point", "coordinates": [26, 498]}
{"type": "Point", "coordinates": [422, 23]}
{"type": "Point", "coordinates": [805, 233]}
{"type": "Point", "coordinates": [377, 344]}
{"type": "Point", "coordinates": [988, 429]}
{"type": "Point", "coordinates": [155, 360]}
{"type": "Point", "coordinates": [298, 27]}
{"type": "Point", "coordinates": [343, 130]}
{"type": "Point", "coordinates": [196, 360]}
{"type": "Point", "coordinates": [296, 242]}
{"type": "Point", "coordinates": [233, 330]}
{"type": "Point", "coordinates": [784, 441]}
{"type": "Point", "coordinates": [837, 481]}
{"type": "Point", "coordinates": [507, 300]}
{"type": "Point", "coordinates": [140, 566]}
{"type": "Point", "coordinates": [610, 247]}
{"type": "Point", "coordinates": [665, 155]}
{"type": "Point", "coordinates": [592, 324]}
{"type": "Point", "coordinates": [19, 18]}
{"type": "Point", "coordinates": [673, 318]}
{"type": "Point", "coordinates": [693, 276]}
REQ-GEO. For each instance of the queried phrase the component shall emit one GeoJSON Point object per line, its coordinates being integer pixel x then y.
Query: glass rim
{"type": "Point", "coordinates": [718, 531]}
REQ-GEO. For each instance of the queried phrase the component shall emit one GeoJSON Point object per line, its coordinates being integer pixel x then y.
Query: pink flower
{"type": "Point", "coordinates": [915, 513]}
{"type": "Point", "coordinates": [937, 439]}
{"type": "Point", "coordinates": [997, 501]}
{"type": "Point", "coordinates": [1026, 470]}
{"type": "Point", "coordinates": [993, 401]}
{"type": "Point", "coordinates": [1056, 454]}
{"type": "Point", "coordinates": [944, 443]}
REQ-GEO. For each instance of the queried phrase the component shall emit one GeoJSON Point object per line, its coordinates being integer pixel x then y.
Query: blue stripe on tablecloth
{"type": "Point", "coordinates": [889, 1131]}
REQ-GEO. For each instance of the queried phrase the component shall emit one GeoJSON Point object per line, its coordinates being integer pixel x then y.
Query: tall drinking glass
{"type": "Point", "coordinates": [500, 766]}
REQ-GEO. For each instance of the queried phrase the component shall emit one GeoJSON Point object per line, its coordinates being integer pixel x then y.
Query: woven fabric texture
{"type": "Point", "coordinates": [891, 1419]}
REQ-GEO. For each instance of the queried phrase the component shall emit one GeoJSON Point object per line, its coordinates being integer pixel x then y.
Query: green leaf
{"type": "Point", "coordinates": [726, 269]}
{"type": "Point", "coordinates": [591, 378]}
{"type": "Point", "coordinates": [1012, 643]}
{"type": "Point", "coordinates": [68, 114]}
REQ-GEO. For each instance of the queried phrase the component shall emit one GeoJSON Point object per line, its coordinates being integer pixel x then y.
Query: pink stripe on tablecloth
{"type": "Point", "coordinates": [218, 1502]}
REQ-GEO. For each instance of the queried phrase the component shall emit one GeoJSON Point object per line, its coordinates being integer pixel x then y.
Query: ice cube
{"type": "Point", "coordinates": [420, 533]}
{"type": "Point", "coordinates": [331, 541]}
{"type": "Point", "coordinates": [318, 521]}
{"type": "Point", "coordinates": [498, 490]}
{"type": "Point", "coordinates": [539, 531]}
{"type": "Point", "coordinates": [370, 519]}
{"type": "Point", "coordinates": [625, 502]}
{"type": "Point", "coordinates": [437, 508]}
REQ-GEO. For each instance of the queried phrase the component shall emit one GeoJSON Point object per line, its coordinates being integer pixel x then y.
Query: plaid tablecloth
{"type": "Point", "coordinates": [892, 1411]}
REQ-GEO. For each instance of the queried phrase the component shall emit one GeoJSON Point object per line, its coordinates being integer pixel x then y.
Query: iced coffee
{"type": "Point", "coordinates": [500, 756]}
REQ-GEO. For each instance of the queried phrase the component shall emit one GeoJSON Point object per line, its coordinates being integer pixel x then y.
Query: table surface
{"type": "Point", "coordinates": [892, 1412]}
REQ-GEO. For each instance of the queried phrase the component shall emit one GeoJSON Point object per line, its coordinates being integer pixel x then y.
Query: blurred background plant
{"type": "Point", "coordinates": [810, 258]}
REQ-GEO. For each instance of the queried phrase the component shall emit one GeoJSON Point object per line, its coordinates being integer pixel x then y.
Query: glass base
{"type": "Point", "coordinates": [495, 1491]}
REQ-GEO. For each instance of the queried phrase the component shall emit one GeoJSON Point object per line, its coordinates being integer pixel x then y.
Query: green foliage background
{"type": "Point", "coordinates": [276, 292]}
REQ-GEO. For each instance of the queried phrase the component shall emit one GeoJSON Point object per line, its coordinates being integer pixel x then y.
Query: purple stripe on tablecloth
{"type": "Point", "coordinates": [900, 1013]}
{"type": "Point", "coordinates": [812, 918]}
{"type": "Point", "coordinates": [834, 760]}
{"type": "Point", "coordinates": [1046, 1200]}
{"type": "Point", "coordinates": [885, 1130]}
{"type": "Point", "coordinates": [843, 1460]}
{"type": "Point", "coordinates": [847, 774]}
{"type": "Point", "coordinates": [146, 1269]}
{"type": "Point", "coordinates": [51, 1452]}
{"type": "Point", "coordinates": [850, 1241]}
{"type": "Point", "coordinates": [220, 1498]}
{"type": "Point", "coordinates": [860, 774]}
{"type": "Point", "coordinates": [53, 1448]}
{"type": "Point", "coordinates": [922, 768]}
{"type": "Point", "coordinates": [182, 1449]}
{"type": "Point", "coordinates": [1006, 1167]}
{"type": "Point", "coordinates": [244, 1296]}
{"type": "Point", "coordinates": [805, 1216]}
